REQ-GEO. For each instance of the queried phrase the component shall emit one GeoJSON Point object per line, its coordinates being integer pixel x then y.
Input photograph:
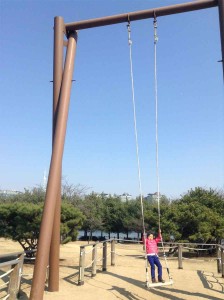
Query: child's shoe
{"type": "Point", "coordinates": [154, 280]}
{"type": "Point", "coordinates": [161, 280]}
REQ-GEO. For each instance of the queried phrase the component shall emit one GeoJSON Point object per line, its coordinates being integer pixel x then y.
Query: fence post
{"type": "Point", "coordinates": [180, 265]}
{"type": "Point", "coordinates": [113, 253]}
{"type": "Point", "coordinates": [219, 265]}
{"type": "Point", "coordinates": [81, 265]}
{"type": "Point", "coordinates": [222, 261]}
{"type": "Point", "coordinates": [21, 262]}
{"type": "Point", "coordinates": [94, 259]}
{"type": "Point", "coordinates": [13, 288]}
{"type": "Point", "coordinates": [15, 278]}
{"type": "Point", "coordinates": [104, 256]}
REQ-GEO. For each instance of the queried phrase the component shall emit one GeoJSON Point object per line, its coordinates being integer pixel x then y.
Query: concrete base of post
{"type": "Point", "coordinates": [81, 283]}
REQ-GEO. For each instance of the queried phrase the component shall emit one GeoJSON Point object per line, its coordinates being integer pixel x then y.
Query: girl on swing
{"type": "Point", "coordinates": [152, 255]}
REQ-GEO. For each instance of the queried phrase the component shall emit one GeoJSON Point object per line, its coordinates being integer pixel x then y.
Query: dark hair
{"type": "Point", "coordinates": [150, 232]}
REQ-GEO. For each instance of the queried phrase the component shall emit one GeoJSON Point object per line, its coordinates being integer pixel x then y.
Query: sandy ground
{"type": "Point", "coordinates": [126, 280]}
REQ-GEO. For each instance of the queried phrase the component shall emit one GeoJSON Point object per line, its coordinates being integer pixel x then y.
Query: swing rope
{"type": "Point", "coordinates": [135, 124]}
{"type": "Point", "coordinates": [136, 143]}
{"type": "Point", "coordinates": [157, 147]}
{"type": "Point", "coordinates": [157, 143]}
{"type": "Point", "coordinates": [156, 109]}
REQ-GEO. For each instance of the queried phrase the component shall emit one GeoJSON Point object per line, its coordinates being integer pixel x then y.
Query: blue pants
{"type": "Point", "coordinates": [154, 260]}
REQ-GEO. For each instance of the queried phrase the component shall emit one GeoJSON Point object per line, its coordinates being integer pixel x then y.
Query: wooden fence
{"type": "Point", "coordinates": [101, 254]}
{"type": "Point", "coordinates": [107, 249]}
{"type": "Point", "coordinates": [220, 259]}
{"type": "Point", "coordinates": [94, 249]}
{"type": "Point", "coordinates": [11, 266]}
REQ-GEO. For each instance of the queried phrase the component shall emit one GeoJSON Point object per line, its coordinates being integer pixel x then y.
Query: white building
{"type": "Point", "coordinates": [125, 197]}
{"type": "Point", "coordinates": [152, 197]}
{"type": "Point", "coordinates": [9, 193]}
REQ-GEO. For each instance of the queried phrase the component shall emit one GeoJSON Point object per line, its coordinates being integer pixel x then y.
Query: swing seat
{"type": "Point", "coordinates": [157, 284]}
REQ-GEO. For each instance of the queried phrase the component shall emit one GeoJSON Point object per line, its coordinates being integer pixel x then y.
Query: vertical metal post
{"type": "Point", "coordinates": [81, 266]}
{"type": "Point", "coordinates": [94, 259]}
{"type": "Point", "coordinates": [221, 24]}
{"type": "Point", "coordinates": [104, 256]}
{"type": "Point", "coordinates": [219, 266]}
{"type": "Point", "coordinates": [180, 249]}
{"type": "Point", "coordinates": [113, 253]}
{"type": "Point", "coordinates": [43, 249]}
{"type": "Point", "coordinates": [53, 281]}
{"type": "Point", "coordinates": [222, 261]}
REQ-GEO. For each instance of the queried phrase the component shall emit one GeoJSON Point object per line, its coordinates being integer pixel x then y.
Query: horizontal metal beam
{"type": "Point", "coordinates": [143, 14]}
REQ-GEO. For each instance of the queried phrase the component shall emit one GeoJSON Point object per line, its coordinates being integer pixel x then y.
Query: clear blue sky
{"type": "Point", "coordinates": [100, 144]}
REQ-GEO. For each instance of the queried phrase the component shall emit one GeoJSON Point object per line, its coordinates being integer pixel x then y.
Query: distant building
{"type": "Point", "coordinates": [8, 193]}
{"type": "Point", "coordinates": [104, 195]}
{"type": "Point", "coordinates": [152, 197]}
{"type": "Point", "coordinates": [101, 195]}
{"type": "Point", "coordinates": [125, 197]}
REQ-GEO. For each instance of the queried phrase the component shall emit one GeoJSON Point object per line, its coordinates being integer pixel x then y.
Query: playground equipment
{"type": "Point", "coordinates": [49, 239]}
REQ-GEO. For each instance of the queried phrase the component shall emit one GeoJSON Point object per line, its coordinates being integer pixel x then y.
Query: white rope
{"type": "Point", "coordinates": [100, 247]}
{"type": "Point", "coordinates": [136, 142]}
{"type": "Point", "coordinates": [135, 124]}
{"type": "Point", "coordinates": [157, 139]}
{"type": "Point", "coordinates": [86, 252]}
{"type": "Point", "coordinates": [99, 259]}
{"type": "Point", "coordinates": [198, 249]}
{"type": "Point", "coordinates": [4, 284]}
{"type": "Point", "coordinates": [6, 273]}
{"type": "Point", "coordinates": [156, 109]}
{"type": "Point", "coordinates": [90, 265]}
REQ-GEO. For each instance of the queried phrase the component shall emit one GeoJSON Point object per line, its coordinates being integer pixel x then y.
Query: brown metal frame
{"type": "Point", "coordinates": [53, 280]}
{"type": "Point", "coordinates": [48, 218]}
{"type": "Point", "coordinates": [143, 14]}
{"type": "Point", "coordinates": [49, 238]}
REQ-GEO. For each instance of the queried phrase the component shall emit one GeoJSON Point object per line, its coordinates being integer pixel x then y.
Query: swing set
{"type": "Point", "coordinates": [49, 238]}
{"type": "Point", "coordinates": [149, 285]}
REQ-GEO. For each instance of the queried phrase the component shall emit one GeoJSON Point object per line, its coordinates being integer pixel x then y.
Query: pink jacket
{"type": "Point", "coordinates": [151, 245]}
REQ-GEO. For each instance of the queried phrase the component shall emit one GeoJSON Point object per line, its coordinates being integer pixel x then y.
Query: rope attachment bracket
{"type": "Point", "coordinates": [129, 31]}
{"type": "Point", "coordinates": [155, 29]}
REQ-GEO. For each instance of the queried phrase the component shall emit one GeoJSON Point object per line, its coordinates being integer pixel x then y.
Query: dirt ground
{"type": "Point", "coordinates": [126, 280]}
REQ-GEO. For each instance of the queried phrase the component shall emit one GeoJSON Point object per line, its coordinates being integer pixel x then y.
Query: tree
{"type": "Point", "coordinates": [92, 208]}
{"type": "Point", "coordinates": [20, 221]}
{"type": "Point", "coordinates": [132, 220]}
{"type": "Point", "coordinates": [151, 216]}
{"type": "Point", "coordinates": [113, 215]}
{"type": "Point", "coordinates": [199, 215]}
{"type": "Point", "coordinates": [71, 221]}
{"type": "Point", "coordinates": [73, 193]}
